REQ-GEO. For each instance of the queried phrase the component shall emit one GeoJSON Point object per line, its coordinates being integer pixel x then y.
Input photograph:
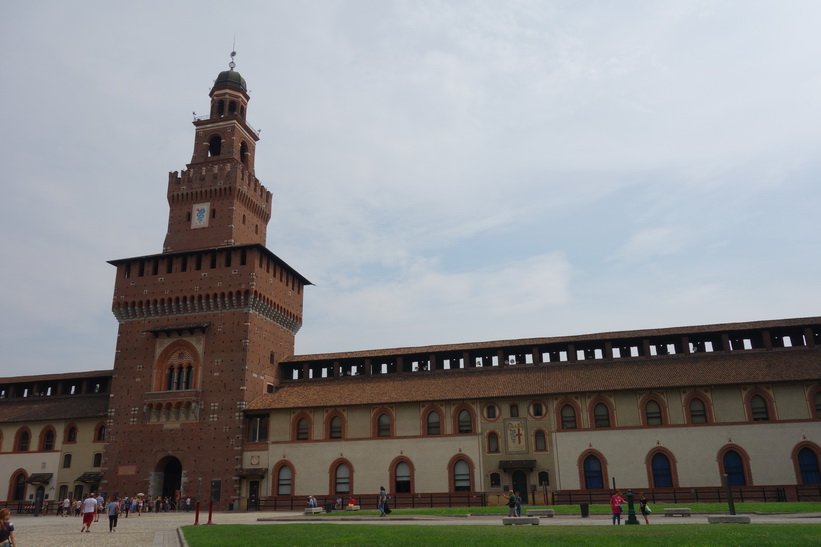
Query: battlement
{"type": "Point", "coordinates": [218, 173]}
{"type": "Point", "coordinates": [680, 345]}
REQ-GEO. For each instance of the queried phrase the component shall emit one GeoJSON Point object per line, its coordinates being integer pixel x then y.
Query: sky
{"type": "Point", "coordinates": [442, 171]}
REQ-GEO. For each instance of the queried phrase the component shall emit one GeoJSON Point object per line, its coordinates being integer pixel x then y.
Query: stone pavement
{"type": "Point", "coordinates": [160, 530]}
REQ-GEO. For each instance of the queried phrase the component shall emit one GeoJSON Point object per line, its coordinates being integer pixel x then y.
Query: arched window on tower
{"type": "Point", "coordinates": [232, 108]}
{"type": "Point", "coordinates": [214, 146]}
{"type": "Point", "coordinates": [243, 153]}
{"type": "Point", "coordinates": [221, 108]}
{"type": "Point", "coordinates": [179, 371]}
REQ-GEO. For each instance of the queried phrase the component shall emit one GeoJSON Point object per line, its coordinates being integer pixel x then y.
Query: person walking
{"type": "Point", "coordinates": [511, 504]}
{"type": "Point", "coordinates": [89, 510]}
{"type": "Point", "coordinates": [113, 511]}
{"type": "Point", "coordinates": [645, 509]}
{"type": "Point", "coordinates": [383, 498]}
{"type": "Point", "coordinates": [66, 506]}
{"type": "Point", "coordinates": [100, 507]}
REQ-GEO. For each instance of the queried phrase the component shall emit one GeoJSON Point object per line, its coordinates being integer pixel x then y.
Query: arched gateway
{"type": "Point", "coordinates": [167, 477]}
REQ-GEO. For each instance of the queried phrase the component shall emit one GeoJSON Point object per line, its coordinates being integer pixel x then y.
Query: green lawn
{"type": "Point", "coordinates": [329, 534]}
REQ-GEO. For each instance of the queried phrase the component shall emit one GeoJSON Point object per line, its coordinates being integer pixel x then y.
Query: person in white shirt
{"type": "Point", "coordinates": [89, 510]}
{"type": "Point", "coordinates": [66, 506]}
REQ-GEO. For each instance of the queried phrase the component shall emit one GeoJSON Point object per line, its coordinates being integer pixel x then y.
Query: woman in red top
{"type": "Point", "coordinates": [615, 506]}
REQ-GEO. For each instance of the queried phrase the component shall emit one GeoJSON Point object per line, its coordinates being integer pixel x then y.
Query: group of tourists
{"type": "Point", "coordinates": [514, 504]}
{"type": "Point", "coordinates": [135, 504]}
{"type": "Point", "coordinates": [617, 507]}
{"type": "Point", "coordinates": [93, 506]}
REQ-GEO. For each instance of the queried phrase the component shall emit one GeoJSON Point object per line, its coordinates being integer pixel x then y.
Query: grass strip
{"type": "Point", "coordinates": [329, 534]}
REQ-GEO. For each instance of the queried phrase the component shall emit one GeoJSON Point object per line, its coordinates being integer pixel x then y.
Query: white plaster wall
{"type": "Point", "coordinates": [371, 459]}
{"type": "Point", "coordinates": [791, 402]}
{"type": "Point", "coordinates": [728, 404]}
{"type": "Point", "coordinates": [695, 449]}
{"type": "Point", "coordinates": [31, 462]}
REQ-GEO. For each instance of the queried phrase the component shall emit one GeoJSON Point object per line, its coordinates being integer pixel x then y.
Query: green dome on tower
{"type": "Point", "coordinates": [231, 78]}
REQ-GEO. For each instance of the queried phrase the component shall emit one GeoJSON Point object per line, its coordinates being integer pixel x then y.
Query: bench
{"type": "Point", "coordinates": [728, 519]}
{"type": "Point", "coordinates": [680, 511]}
{"type": "Point", "coordinates": [314, 510]}
{"type": "Point", "coordinates": [520, 520]}
{"type": "Point", "coordinates": [540, 513]}
{"type": "Point", "coordinates": [352, 508]}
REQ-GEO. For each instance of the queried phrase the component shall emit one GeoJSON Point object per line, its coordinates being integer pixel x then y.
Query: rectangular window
{"type": "Point", "coordinates": [257, 429]}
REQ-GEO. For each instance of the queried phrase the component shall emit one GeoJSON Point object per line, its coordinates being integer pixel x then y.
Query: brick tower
{"type": "Point", "coordinates": [203, 324]}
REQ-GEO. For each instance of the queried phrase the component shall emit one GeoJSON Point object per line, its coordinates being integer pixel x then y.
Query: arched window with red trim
{"type": "Point", "coordinates": [22, 440]}
{"type": "Point", "coordinates": [734, 464]}
{"type": "Point", "coordinates": [283, 479]}
{"type": "Point", "coordinates": [47, 439]}
{"type": "Point", "coordinates": [460, 470]}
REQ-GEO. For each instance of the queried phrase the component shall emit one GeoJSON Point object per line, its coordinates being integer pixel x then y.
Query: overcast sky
{"type": "Point", "coordinates": [443, 172]}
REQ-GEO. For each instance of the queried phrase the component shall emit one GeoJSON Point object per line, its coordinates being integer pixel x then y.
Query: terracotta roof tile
{"type": "Point", "coordinates": [53, 408]}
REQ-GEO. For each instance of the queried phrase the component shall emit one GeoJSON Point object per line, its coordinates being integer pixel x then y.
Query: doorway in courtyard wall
{"type": "Point", "coordinates": [519, 479]}
{"type": "Point", "coordinates": [170, 469]}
